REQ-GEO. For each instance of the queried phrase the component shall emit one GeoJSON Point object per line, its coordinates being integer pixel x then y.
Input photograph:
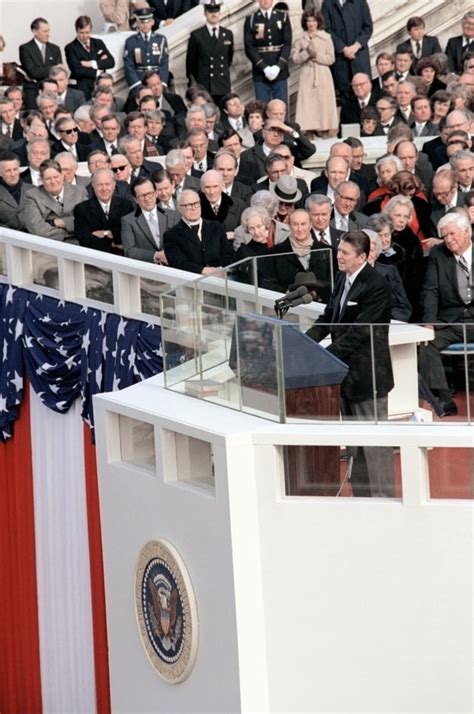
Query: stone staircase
{"type": "Point", "coordinates": [390, 16]}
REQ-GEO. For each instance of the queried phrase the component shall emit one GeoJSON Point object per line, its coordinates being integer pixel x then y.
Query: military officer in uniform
{"type": "Point", "coordinates": [144, 51]}
{"type": "Point", "coordinates": [210, 52]}
{"type": "Point", "coordinates": [267, 41]}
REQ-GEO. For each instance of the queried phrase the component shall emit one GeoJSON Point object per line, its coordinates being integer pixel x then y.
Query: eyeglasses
{"type": "Point", "coordinates": [383, 109]}
{"type": "Point", "coordinates": [349, 199]}
{"type": "Point", "coordinates": [116, 169]}
{"type": "Point", "coordinates": [443, 194]}
{"type": "Point", "coordinates": [195, 204]}
{"type": "Point", "coordinates": [69, 131]}
{"type": "Point", "coordinates": [149, 194]}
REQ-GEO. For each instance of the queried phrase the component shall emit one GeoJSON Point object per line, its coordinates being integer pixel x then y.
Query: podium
{"type": "Point", "coordinates": [274, 355]}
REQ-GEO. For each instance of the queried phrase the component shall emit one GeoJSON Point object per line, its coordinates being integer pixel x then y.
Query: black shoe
{"type": "Point", "coordinates": [449, 408]}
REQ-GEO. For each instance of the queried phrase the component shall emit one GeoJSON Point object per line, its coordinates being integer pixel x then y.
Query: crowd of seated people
{"type": "Point", "coordinates": [200, 181]}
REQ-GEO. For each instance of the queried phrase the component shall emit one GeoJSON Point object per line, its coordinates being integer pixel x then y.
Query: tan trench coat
{"type": "Point", "coordinates": [316, 101]}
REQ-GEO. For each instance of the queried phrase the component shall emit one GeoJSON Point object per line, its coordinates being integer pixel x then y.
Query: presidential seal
{"type": "Point", "coordinates": [166, 611]}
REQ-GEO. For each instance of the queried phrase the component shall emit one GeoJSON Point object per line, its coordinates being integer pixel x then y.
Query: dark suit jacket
{"type": "Point", "coordinates": [137, 240]}
{"type": "Point", "coordinates": [350, 110]}
{"type": "Point", "coordinates": [441, 301]}
{"type": "Point", "coordinates": [17, 133]}
{"type": "Point", "coordinates": [36, 68]}
{"type": "Point", "coordinates": [173, 9]}
{"type": "Point", "coordinates": [185, 251]}
{"type": "Point", "coordinates": [242, 192]}
{"type": "Point", "coordinates": [401, 308]}
{"type": "Point", "coordinates": [285, 264]}
{"type": "Point", "coordinates": [346, 25]}
{"type": "Point", "coordinates": [229, 212]}
{"type": "Point", "coordinates": [428, 130]}
{"type": "Point", "coordinates": [430, 147]}
{"type": "Point", "coordinates": [326, 268]}
{"type": "Point", "coordinates": [320, 185]}
{"type": "Point", "coordinates": [208, 61]}
{"type": "Point", "coordinates": [368, 302]}
{"type": "Point", "coordinates": [429, 46]}
{"type": "Point", "coordinates": [82, 150]}
{"type": "Point", "coordinates": [210, 162]}
{"type": "Point", "coordinates": [85, 76]}
{"type": "Point", "coordinates": [252, 162]}
{"type": "Point", "coordinates": [455, 52]}
{"type": "Point", "coordinates": [89, 217]}
{"type": "Point", "coordinates": [12, 214]}
{"type": "Point", "coordinates": [438, 210]}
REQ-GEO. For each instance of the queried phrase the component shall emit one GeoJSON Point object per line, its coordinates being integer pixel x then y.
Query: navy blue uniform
{"type": "Point", "coordinates": [140, 56]}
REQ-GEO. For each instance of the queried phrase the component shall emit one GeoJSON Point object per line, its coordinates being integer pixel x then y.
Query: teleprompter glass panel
{"type": "Point", "coordinates": [137, 442]}
{"type": "Point", "coordinates": [45, 270]}
{"type": "Point", "coordinates": [99, 284]}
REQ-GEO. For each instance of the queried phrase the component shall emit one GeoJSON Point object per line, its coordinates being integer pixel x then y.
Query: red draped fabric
{"type": "Point", "coordinates": [97, 578]}
{"type": "Point", "coordinates": [20, 679]}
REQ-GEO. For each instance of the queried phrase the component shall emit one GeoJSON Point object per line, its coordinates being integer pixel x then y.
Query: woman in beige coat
{"type": "Point", "coordinates": [316, 110]}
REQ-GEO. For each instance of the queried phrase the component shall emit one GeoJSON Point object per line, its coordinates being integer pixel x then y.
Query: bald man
{"type": "Point", "coordinates": [196, 245]}
{"type": "Point", "coordinates": [361, 97]}
{"type": "Point", "coordinates": [216, 205]}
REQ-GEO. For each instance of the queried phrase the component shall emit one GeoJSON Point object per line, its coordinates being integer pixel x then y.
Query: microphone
{"type": "Point", "coordinates": [303, 300]}
{"type": "Point", "coordinates": [289, 297]}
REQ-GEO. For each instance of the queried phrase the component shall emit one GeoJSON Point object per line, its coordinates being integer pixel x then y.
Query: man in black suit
{"type": "Point", "coordinates": [421, 117]}
{"type": "Point", "coordinates": [420, 44]}
{"type": "Point", "coordinates": [68, 132]}
{"type": "Point", "coordinates": [194, 244]}
{"type": "Point", "coordinates": [301, 147]}
{"type": "Point", "coordinates": [210, 53]}
{"type": "Point", "coordinates": [357, 317]}
{"type": "Point", "coordinates": [445, 193]}
{"type": "Point", "coordinates": [97, 221]}
{"type": "Point", "coordinates": [166, 11]}
{"type": "Point", "coordinates": [36, 58]}
{"type": "Point", "coordinates": [226, 163]}
{"type": "Point", "coordinates": [9, 124]}
{"type": "Point", "coordinates": [143, 231]}
{"type": "Point", "coordinates": [447, 298]}
{"type": "Point", "coordinates": [326, 239]}
{"type": "Point", "coordinates": [350, 26]}
{"type": "Point", "coordinates": [385, 63]}
{"type": "Point", "coordinates": [248, 170]}
{"type": "Point", "coordinates": [131, 148]}
{"type": "Point", "coordinates": [168, 102]}
{"type": "Point", "coordinates": [86, 55]}
{"type": "Point", "coordinates": [458, 46]}
{"type": "Point", "coordinates": [362, 96]}
{"type": "Point", "coordinates": [203, 158]}
{"type": "Point", "coordinates": [276, 166]}
{"type": "Point", "coordinates": [409, 155]}
{"type": "Point", "coordinates": [217, 205]}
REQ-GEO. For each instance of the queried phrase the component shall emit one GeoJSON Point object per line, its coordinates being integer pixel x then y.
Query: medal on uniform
{"type": "Point", "coordinates": [138, 55]}
{"type": "Point", "coordinates": [259, 31]}
{"type": "Point", "coordinates": [155, 49]}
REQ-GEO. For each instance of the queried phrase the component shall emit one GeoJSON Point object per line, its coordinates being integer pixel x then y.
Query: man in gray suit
{"type": "Point", "coordinates": [49, 208]}
{"type": "Point", "coordinates": [13, 192]}
{"type": "Point", "coordinates": [345, 217]}
{"type": "Point", "coordinates": [143, 230]}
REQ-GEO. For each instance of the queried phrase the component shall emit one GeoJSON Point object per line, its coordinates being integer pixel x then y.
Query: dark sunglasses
{"type": "Point", "coordinates": [116, 169]}
{"type": "Point", "coordinates": [69, 131]}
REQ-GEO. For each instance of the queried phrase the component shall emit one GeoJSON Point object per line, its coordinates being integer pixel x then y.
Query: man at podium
{"type": "Point", "coordinates": [357, 317]}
